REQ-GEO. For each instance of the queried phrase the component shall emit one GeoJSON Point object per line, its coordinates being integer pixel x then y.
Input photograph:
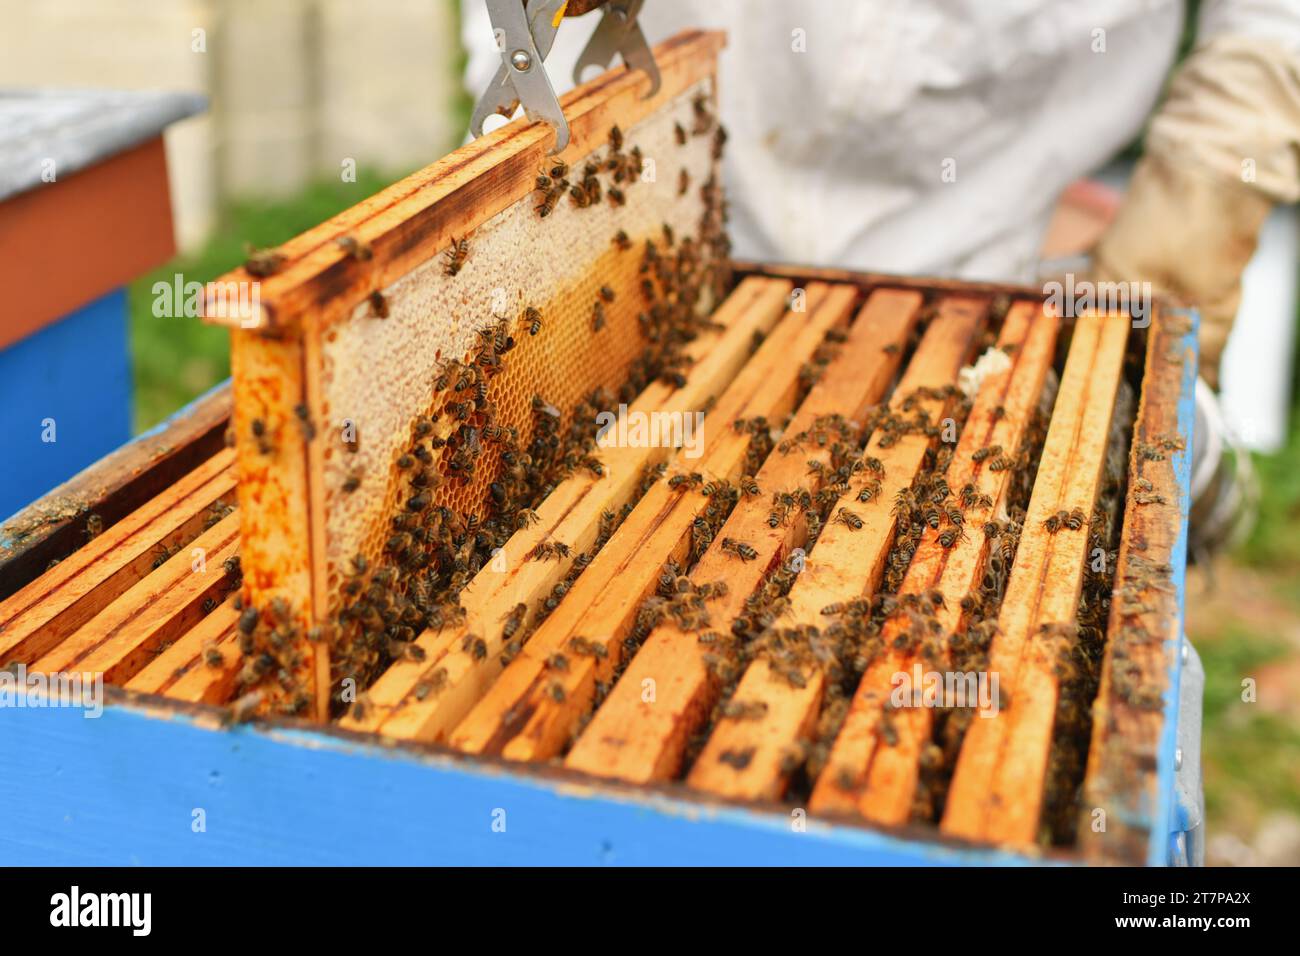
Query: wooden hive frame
{"type": "Point", "coordinates": [333, 362]}
{"type": "Point", "coordinates": [142, 542]}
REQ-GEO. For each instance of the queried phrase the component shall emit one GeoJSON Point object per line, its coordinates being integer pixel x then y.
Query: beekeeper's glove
{"type": "Point", "coordinates": [1223, 148]}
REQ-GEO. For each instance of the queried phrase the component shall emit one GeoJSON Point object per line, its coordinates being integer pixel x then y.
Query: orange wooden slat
{"type": "Point", "coordinates": [47, 610]}
{"type": "Point", "coordinates": [997, 787]}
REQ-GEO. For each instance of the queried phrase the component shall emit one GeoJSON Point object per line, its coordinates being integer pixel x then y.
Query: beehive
{"type": "Point", "coordinates": [784, 716]}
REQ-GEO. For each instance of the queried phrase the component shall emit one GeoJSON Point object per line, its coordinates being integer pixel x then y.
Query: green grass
{"type": "Point", "coordinates": [177, 359]}
{"type": "Point", "coordinates": [1275, 541]}
{"type": "Point", "coordinates": [1251, 755]}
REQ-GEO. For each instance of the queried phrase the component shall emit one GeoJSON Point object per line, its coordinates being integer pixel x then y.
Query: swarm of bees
{"type": "Point", "coordinates": [585, 189]}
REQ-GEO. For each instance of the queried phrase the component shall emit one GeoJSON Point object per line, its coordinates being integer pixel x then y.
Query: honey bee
{"type": "Point", "coordinates": [588, 648]}
{"type": "Point", "coordinates": [213, 657]}
{"type": "Point", "coordinates": [455, 257]}
{"type": "Point", "coordinates": [622, 241]}
{"type": "Point", "coordinates": [607, 293]}
{"type": "Point", "coordinates": [615, 139]}
{"type": "Point", "coordinates": [949, 537]}
{"type": "Point", "coordinates": [244, 708]}
{"type": "Point", "coordinates": [258, 428]}
{"type": "Point", "coordinates": [744, 709]}
{"type": "Point", "coordinates": [847, 518]}
{"type": "Point", "coordinates": [616, 197]}
{"type": "Point", "coordinates": [719, 142]}
{"type": "Point", "coordinates": [737, 759]}
{"type": "Point", "coordinates": [378, 305]}
{"type": "Point", "coordinates": [739, 548]}
{"type": "Point", "coordinates": [1149, 452]}
{"type": "Point", "coordinates": [263, 262]}
{"type": "Point", "coordinates": [354, 247]}
{"type": "Point", "coordinates": [683, 481]}
{"type": "Point", "coordinates": [749, 486]}
{"type": "Point", "coordinates": [870, 489]}
{"type": "Point", "coordinates": [304, 421]}
{"type": "Point", "coordinates": [579, 196]}
{"type": "Point", "coordinates": [679, 132]}
{"type": "Point", "coordinates": [352, 482]}
{"type": "Point", "coordinates": [547, 205]}
{"type": "Point", "coordinates": [683, 182]}
{"type": "Point", "coordinates": [559, 169]}
{"type": "Point", "coordinates": [701, 537]}
{"type": "Point", "coordinates": [597, 316]}
{"type": "Point", "coordinates": [550, 551]}
{"type": "Point", "coordinates": [474, 646]}
{"type": "Point", "coordinates": [1074, 520]}
{"type": "Point", "coordinates": [988, 451]}
{"type": "Point", "coordinates": [533, 319]}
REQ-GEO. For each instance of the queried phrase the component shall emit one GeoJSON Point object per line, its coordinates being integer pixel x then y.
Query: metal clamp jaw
{"type": "Point", "coordinates": [524, 35]}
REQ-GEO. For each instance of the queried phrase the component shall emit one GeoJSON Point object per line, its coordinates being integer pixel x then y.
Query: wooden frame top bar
{"type": "Point", "coordinates": [408, 223]}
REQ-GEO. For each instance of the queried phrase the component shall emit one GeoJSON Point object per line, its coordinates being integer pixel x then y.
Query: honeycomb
{"type": "Point", "coordinates": [378, 373]}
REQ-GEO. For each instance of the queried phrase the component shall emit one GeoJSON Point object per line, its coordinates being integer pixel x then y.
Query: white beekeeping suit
{"type": "Point", "coordinates": [917, 136]}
